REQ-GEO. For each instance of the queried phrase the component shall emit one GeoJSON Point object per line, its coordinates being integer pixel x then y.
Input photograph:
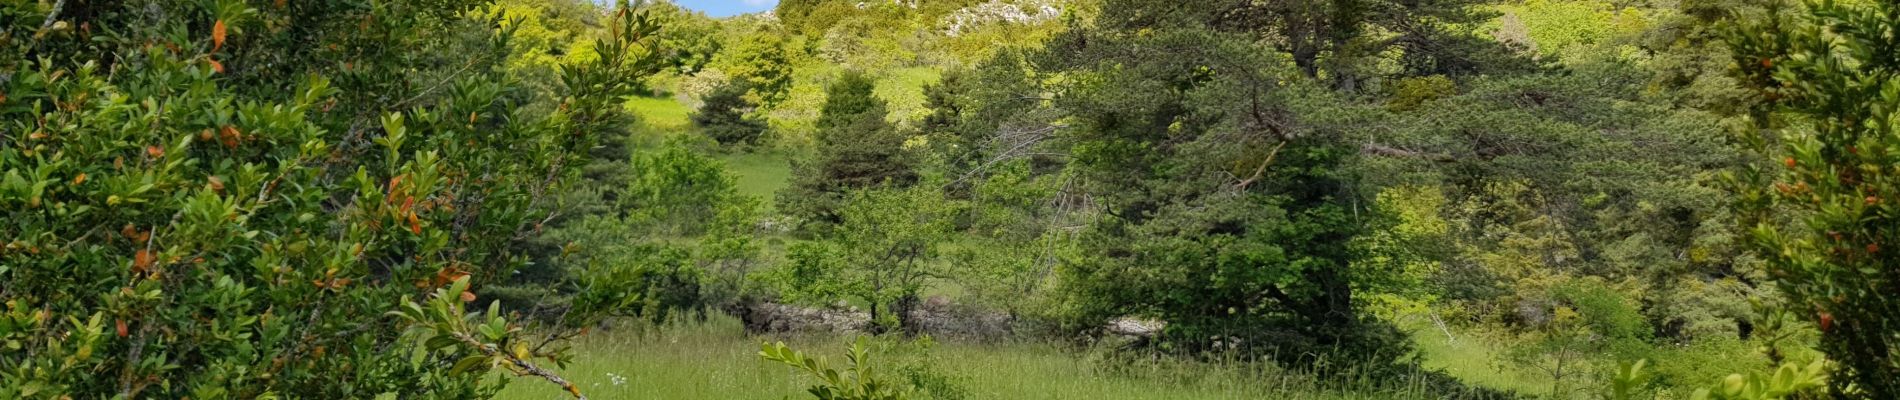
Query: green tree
{"type": "Point", "coordinates": [1830, 75]}
{"type": "Point", "coordinates": [1220, 206]}
{"type": "Point", "coordinates": [725, 115]}
{"type": "Point", "coordinates": [857, 149]}
{"type": "Point", "coordinates": [230, 200]}
{"type": "Point", "coordinates": [677, 190]}
{"type": "Point", "coordinates": [813, 17]}
{"type": "Point", "coordinates": [884, 253]}
{"type": "Point", "coordinates": [759, 59]}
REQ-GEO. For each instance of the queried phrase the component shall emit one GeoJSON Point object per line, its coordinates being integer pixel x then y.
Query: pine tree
{"type": "Point", "coordinates": [857, 149]}
{"type": "Point", "coordinates": [723, 116]}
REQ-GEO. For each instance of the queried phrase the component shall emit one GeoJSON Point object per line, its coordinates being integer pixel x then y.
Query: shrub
{"type": "Point", "coordinates": [1831, 85]}
{"type": "Point", "coordinates": [215, 200]}
{"type": "Point", "coordinates": [857, 381]}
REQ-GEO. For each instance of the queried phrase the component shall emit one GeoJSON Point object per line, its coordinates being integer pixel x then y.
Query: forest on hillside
{"type": "Point", "coordinates": [950, 199]}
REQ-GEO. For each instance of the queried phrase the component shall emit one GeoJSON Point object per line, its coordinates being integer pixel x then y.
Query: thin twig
{"type": "Point", "coordinates": [1263, 167]}
{"type": "Point", "coordinates": [523, 366]}
{"type": "Point", "coordinates": [53, 16]}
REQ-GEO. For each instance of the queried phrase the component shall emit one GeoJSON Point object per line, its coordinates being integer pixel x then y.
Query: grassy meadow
{"type": "Point", "coordinates": [716, 360]}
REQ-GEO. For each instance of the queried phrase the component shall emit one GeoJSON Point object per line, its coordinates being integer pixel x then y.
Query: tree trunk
{"type": "Point", "coordinates": [906, 306]}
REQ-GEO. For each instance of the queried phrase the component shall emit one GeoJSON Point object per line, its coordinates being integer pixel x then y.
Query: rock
{"type": "Point", "coordinates": [936, 317]}
{"type": "Point", "coordinates": [999, 12]}
{"type": "Point", "coordinates": [780, 318]}
{"type": "Point", "coordinates": [1135, 327]}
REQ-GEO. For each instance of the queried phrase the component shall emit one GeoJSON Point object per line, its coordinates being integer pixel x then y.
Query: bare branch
{"type": "Point", "coordinates": [1384, 150]}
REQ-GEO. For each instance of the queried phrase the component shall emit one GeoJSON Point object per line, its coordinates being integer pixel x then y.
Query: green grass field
{"type": "Point", "coordinates": [760, 175]}
{"type": "Point", "coordinates": [714, 360]}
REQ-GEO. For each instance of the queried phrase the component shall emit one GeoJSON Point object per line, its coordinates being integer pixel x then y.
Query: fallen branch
{"type": "Point", "coordinates": [1383, 150]}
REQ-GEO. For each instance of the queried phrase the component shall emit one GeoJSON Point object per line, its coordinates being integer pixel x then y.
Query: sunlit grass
{"type": "Point", "coordinates": [759, 175]}
{"type": "Point", "coordinates": [714, 360]}
{"type": "Point", "coordinates": [1475, 357]}
{"type": "Point", "coordinates": [903, 90]}
{"type": "Point", "coordinates": [663, 114]}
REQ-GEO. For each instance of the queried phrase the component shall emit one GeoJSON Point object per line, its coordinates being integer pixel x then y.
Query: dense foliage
{"type": "Point", "coordinates": [1558, 199]}
{"type": "Point", "coordinates": [220, 199]}
{"type": "Point", "coordinates": [1830, 77]}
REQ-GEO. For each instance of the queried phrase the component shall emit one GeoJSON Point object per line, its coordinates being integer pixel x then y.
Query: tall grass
{"type": "Point", "coordinates": [714, 360]}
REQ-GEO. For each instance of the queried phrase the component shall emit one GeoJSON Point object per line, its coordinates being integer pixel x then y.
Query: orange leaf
{"type": "Point", "coordinates": [229, 135]}
{"type": "Point", "coordinates": [155, 151]}
{"type": "Point", "coordinates": [392, 188]}
{"type": "Point", "coordinates": [468, 297]}
{"type": "Point", "coordinates": [216, 66]}
{"type": "Point", "coordinates": [82, 179]}
{"type": "Point", "coordinates": [141, 261]}
{"type": "Point", "coordinates": [217, 35]}
{"type": "Point", "coordinates": [216, 183]}
{"type": "Point", "coordinates": [414, 226]}
{"type": "Point", "coordinates": [121, 326]}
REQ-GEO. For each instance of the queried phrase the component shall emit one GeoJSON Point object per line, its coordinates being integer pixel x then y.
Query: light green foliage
{"type": "Point", "coordinates": [1581, 318]}
{"type": "Point", "coordinates": [859, 380]}
{"type": "Point", "coordinates": [1789, 380]}
{"type": "Point", "coordinates": [758, 58]}
{"type": "Point", "coordinates": [547, 33]}
{"type": "Point", "coordinates": [1628, 381]}
{"type": "Point", "coordinates": [223, 199]}
{"type": "Point", "coordinates": [730, 251]}
{"type": "Point", "coordinates": [813, 17]}
{"type": "Point", "coordinates": [1405, 247]}
{"type": "Point", "coordinates": [1820, 198]}
{"type": "Point", "coordinates": [1569, 27]}
{"type": "Point", "coordinates": [902, 90]}
{"type": "Point", "coordinates": [691, 39]}
{"type": "Point", "coordinates": [1413, 92]}
{"type": "Point", "coordinates": [1012, 244]}
{"type": "Point", "coordinates": [870, 40]}
{"type": "Point", "coordinates": [883, 252]}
